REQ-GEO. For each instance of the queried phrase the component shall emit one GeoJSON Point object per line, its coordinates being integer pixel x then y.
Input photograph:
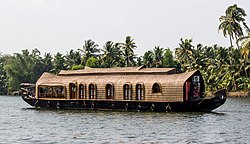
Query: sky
{"type": "Point", "coordinates": [61, 25]}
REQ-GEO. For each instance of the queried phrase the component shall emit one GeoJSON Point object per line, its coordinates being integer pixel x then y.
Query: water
{"type": "Point", "coordinates": [20, 123]}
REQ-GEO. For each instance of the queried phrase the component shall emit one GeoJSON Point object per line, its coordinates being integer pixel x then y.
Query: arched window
{"type": "Point", "coordinates": [92, 91]}
{"type": "Point", "coordinates": [156, 88]}
{"type": "Point", "coordinates": [81, 91]}
{"type": "Point", "coordinates": [139, 91]}
{"type": "Point", "coordinates": [109, 91]}
{"type": "Point", "coordinates": [72, 90]}
{"type": "Point", "coordinates": [127, 92]}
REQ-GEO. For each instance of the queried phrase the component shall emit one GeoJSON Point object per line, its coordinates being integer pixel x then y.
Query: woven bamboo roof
{"type": "Point", "coordinates": [120, 70]}
{"type": "Point", "coordinates": [172, 80]}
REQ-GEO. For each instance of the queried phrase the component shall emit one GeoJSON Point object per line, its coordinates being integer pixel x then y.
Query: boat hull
{"type": "Point", "coordinates": [202, 105]}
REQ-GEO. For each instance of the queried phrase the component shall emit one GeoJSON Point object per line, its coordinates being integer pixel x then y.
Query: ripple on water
{"type": "Point", "coordinates": [22, 124]}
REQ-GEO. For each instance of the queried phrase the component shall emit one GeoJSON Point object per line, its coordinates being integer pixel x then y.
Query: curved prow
{"type": "Point", "coordinates": [28, 89]}
{"type": "Point", "coordinates": [221, 94]}
{"type": "Point", "coordinates": [219, 99]}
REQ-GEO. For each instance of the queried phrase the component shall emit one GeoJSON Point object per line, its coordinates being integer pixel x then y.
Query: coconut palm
{"type": "Point", "coordinates": [58, 63]}
{"type": "Point", "coordinates": [184, 53]}
{"type": "Point", "coordinates": [148, 59]}
{"type": "Point", "coordinates": [112, 54]}
{"type": "Point", "coordinates": [245, 46]}
{"type": "Point", "coordinates": [231, 23]}
{"type": "Point", "coordinates": [158, 56]}
{"type": "Point", "coordinates": [47, 62]}
{"type": "Point", "coordinates": [128, 51]}
{"type": "Point", "coordinates": [139, 61]}
{"type": "Point", "coordinates": [89, 49]}
{"type": "Point", "coordinates": [227, 27]}
{"type": "Point", "coordinates": [245, 51]}
{"type": "Point", "coordinates": [36, 65]}
{"type": "Point", "coordinates": [72, 58]}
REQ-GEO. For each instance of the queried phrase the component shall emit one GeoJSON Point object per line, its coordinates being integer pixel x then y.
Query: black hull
{"type": "Point", "coordinates": [203, 105]}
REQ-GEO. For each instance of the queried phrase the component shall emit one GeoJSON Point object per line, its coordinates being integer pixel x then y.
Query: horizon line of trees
{"type": "Point", "coordinates": [27, 67]}
{"type": "Point", "coordinates": [221, 67]}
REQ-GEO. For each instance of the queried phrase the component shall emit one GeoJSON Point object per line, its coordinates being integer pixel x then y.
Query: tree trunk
{"type": "Point", "coordinates": [237, 42]}
{"type": "Point", "coordinates": [230, 38]}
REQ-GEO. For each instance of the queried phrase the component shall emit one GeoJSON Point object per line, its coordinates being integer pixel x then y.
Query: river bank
{"type": "Point", "coordinates": [232, 94]}
{"type": "Point", "coordinates": [239, 94]}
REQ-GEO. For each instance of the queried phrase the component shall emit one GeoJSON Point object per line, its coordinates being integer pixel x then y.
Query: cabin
{"type": "Point", "coordinates": [121, 84]}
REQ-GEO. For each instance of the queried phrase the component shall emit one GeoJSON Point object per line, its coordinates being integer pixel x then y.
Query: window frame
{"type": "Point", "coordinates": [83, 91]}
{"type": "Point", "coordinates": [73, 91]}
{"type": "Point", "coordinates": [127, 95]}
{"type": "Point", "coordinates": [159, 88]}
{"type": "Point", "coordinates": [94, 96]}
{"type": "Point", "coordinates": [141, 96]}
{"type": "Point", "coordinates": [111, 96]}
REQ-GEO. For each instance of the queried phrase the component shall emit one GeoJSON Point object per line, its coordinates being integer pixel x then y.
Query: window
{"type": "Point", "coordinates": [127, 92]}
{"type": "Point", "coordinates": [81, 91]}
{"type": "Point", "coordinates": [92, 91]}
{"type": "Point", "coordinates": [139, 92]}
{"type": "Point", "coordinates": [51, 92]}
{"type": "Point", "coordinates": [109, 91]}
{"type": "Point", "coordinates": [156, 88]}
{"type": "Point", "coordinates": [72, 90]}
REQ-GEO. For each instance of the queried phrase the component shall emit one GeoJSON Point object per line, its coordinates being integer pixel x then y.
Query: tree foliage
{"type": "Point", "coordinates": [23, 68]}
{"type": "Point", "coordinates": [128, 51]}
{"type": "Point", "coordinates": [231, 23]}
{"type": "Point", "coordinates": [3, 77]}
{"type": "Point", "coordinates": [221, 67]}
{"type": "Point", "coordinates": [93, 62]}
{"type": "Point", "coordinates": [89, 49]}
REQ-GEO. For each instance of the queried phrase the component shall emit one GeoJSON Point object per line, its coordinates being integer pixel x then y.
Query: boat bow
{"type": "Point", "coordinates": [213, 103]}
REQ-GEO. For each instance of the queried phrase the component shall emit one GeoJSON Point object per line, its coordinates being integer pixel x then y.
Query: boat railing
{"type": "Point", "coordinates": [51, 95]}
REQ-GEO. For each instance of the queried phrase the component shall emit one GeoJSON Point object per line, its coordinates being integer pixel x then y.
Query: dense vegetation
{"type": "Point", "coordinates": [221, 67]}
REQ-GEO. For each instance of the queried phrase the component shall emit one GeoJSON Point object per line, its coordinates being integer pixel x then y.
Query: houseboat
{"type": "Point", "coordinates": [127, 89]}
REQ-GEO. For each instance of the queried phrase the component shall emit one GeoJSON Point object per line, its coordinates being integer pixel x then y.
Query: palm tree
{"type": "Point", "coordinates": [112, 54]}
{"type": "Point", "coordinates": [148, 59]}
{"type": "Point", "coordinates": [245, 46]}
{"type": "Point", "coordinates": [89, 49]}
{"type": "Point", "coordinates": [227, 27]}
{"type": "Point", "coordinates": [184, 53]}
{"type": "Point", "coordinates": [58, 63]}
{"type": "Point", "coordinates": [197, 61]}
{"type": "Point", "coordinates": [36, 63]}
{"type": "Point", "coordinates": [47, 62]}
{"type": "Point", "coordinates": [128, 51]}
{"type": "Point", "coordinates": [72, 58]}
{"type": "Point", "coordinates": [231, 22]}
{"type": "Point", "coordinates": [139, 61]}
{"type": "Point", "coordinates": [120, 60]}
{"type": "Point", "coordinates": [245, 52]}
{"type": "Point", "coordinates": [158, 56]}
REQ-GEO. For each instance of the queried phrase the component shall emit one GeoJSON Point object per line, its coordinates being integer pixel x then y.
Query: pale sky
{"type": "Point", "coordinates": [61, 25]}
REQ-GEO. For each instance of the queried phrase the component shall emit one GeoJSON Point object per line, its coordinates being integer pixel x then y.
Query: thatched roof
{"type": "Point", "coordinates": [86, 76]}
{"type": "Point", "coordinates": [120, 70]}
